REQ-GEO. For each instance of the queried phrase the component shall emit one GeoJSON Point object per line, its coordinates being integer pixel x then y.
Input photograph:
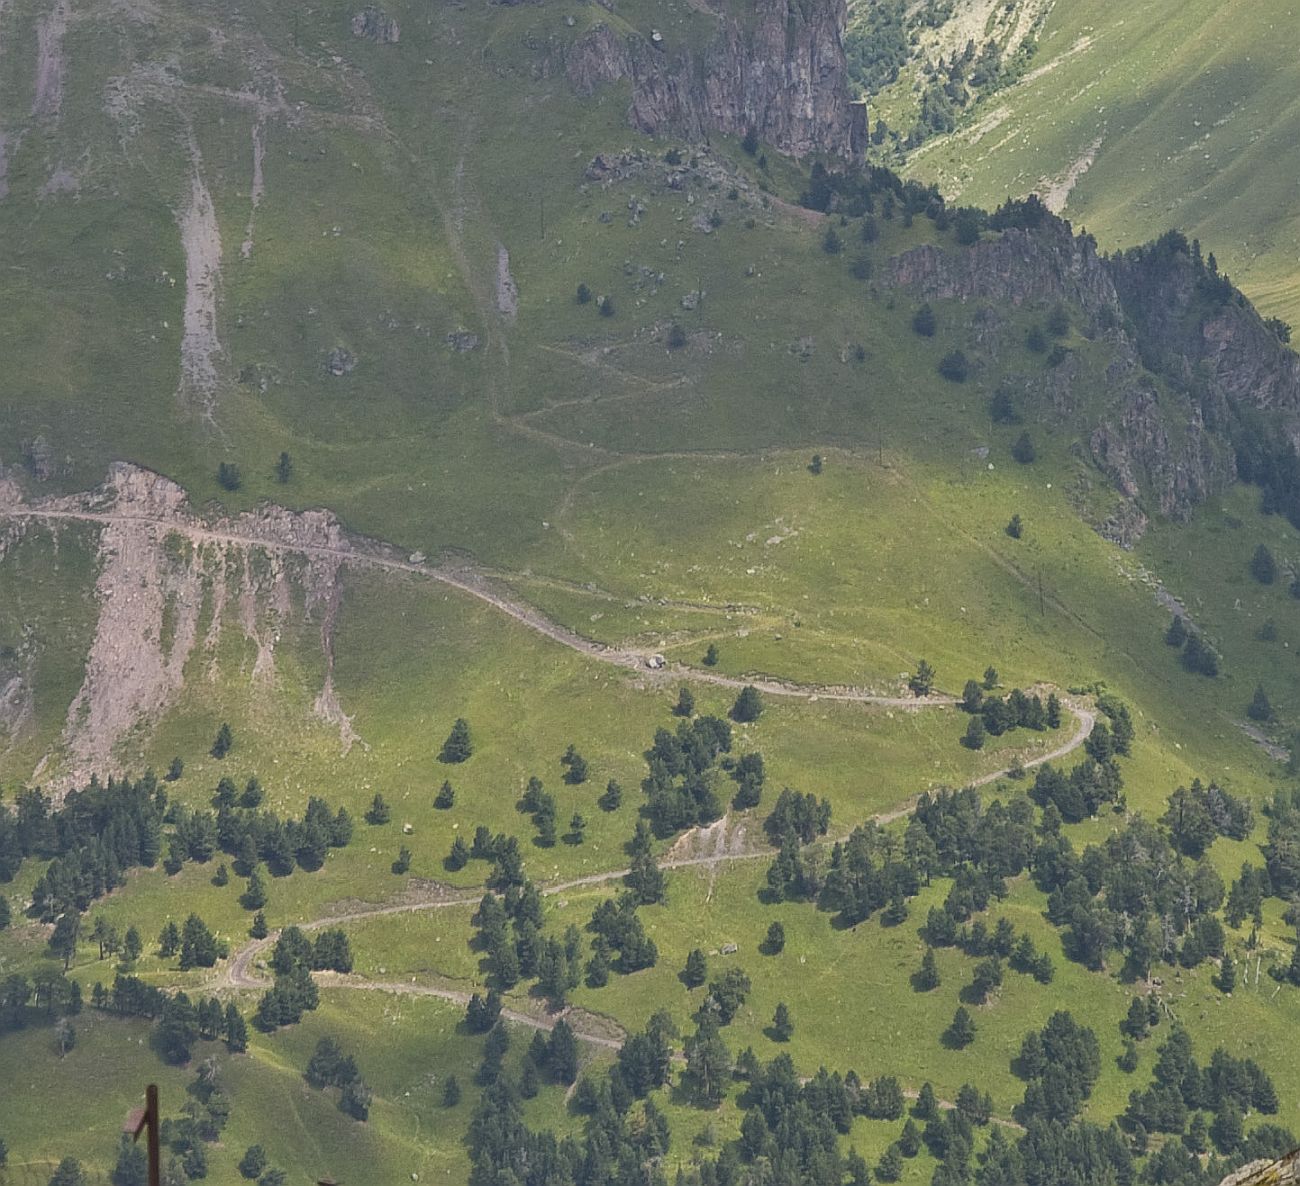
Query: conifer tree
{"type": "Point", "coordinates": [927, 976]}
{"type": "Point", "coordinates": [458, 747]}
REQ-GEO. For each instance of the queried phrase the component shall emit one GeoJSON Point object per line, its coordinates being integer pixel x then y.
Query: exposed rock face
{"type": "Point", "coordinates": [1165, 444]}
{"type": "Point", "coordinates": [783, 74]}
{"type": "Point", "coordinates": [1285, 1172]}
{"type": "Point", "coordinates": [375, 24]}
{"type": "Point", "coordinates": [1042, 265]}
{"type": "Point", "coordinates": [170, 585]}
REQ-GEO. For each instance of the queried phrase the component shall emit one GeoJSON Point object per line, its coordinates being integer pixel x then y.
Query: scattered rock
{"type": "Point", "coordinates": [462, 341]}
{"type": "Point", "coordinates": [341, 361]}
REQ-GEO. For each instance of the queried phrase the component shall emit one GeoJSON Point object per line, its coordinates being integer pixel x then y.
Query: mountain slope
{"type": "Point", "coordinates": [373, 369]}
{"type": "Point", "coordinates": [1134, 118]}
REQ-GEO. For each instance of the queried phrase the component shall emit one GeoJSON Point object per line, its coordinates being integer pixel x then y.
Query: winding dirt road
{"type": "Point", "coordinates": [369, 554]}
{"type": "Point", "coordinates": [240, 972]}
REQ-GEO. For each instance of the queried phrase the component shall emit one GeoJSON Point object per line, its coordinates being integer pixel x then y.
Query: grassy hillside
{"type": "Point", "coordinates": [1135, 118]}
{"type": "Point", "coordinates": [368, 255]}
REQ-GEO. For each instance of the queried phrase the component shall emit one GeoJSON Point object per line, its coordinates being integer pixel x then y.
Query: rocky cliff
{"type": "Point", "coordinates": [1188, 352]}
{"type": "Point", "coordinates": [782, 72]}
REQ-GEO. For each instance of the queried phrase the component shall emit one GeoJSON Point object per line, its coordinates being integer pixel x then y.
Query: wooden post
{"type": "Point", "coordinates": [152, 1121]}
{"type": "Point", "coordinates": [147, 1120]}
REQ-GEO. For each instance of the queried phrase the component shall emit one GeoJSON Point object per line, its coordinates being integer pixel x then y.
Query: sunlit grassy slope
{"type": "Point", "coordinates": [1187, 114]}
{"type": "Point", "coordinates": [643, 496]}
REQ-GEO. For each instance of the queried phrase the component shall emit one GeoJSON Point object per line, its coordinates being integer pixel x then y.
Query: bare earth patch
{"type": "Point", "coordinates": [158, 562]}
{"type": "Point", "coordinates": [50, 63]}
{"type": "Point", "coordinates": [1056, 192]}
{"type": "Point", "coordinates": [507, 289]}
{"type": "Point", "coordinates": [201, 239]}
{"type": "Point", "coordinates": [256, 192]}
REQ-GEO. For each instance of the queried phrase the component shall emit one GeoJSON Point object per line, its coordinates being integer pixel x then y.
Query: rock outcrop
{"type": "Point", "coordinates": [374, 24]}
{"type": "Point", "coordinates": [1285, 1172]}
{"type": "Point", "coordinates": [782, 73]}
{"type": "Point", "coordinates": [1188, 352]}
{"type": "Point", "coordinates": [170, 585]}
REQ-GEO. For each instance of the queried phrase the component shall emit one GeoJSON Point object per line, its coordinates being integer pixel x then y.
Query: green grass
{"type": "Point", "coordinates": [1194, 108]}
{"type": "Point", "coordinates": [644, 497]}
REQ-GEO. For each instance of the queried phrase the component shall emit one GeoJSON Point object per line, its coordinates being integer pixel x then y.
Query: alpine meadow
{"type": "Point", "coordinates": [649, 592]}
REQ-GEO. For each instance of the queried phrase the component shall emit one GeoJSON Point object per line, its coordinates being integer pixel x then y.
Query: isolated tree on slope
{"type": "Point", "coordinates": [458, 746]}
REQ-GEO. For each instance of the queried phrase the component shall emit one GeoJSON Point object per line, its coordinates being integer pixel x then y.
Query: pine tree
{"type": "Point", "coordinates": [446, 796]}
{"type": "Point", "coordinates": [562, 1052]}
{"type": "Point", "coordinates": [685, 706]}
{"type": "Point", "coordinates": [450, 1092]}
{"type": "Point", "coordinates": [1137, 1021]}
{"type": "Point", "coordinates": [1053, 711]}
{"type": "Point", "coordinates": [63, 942]}
{"type": "Point", "coordinates": [975, 733]}
{"type": "Point", "coordinates": [284, 469]}
{"type": "Point", "coordinates": [924, 322]}
{"type": "Point", "coordinates": [1015, 527]}
{"type": "Point", "coordinates": [380, 812]}
{"type": "Point", "coordinates": [612, 798]}
{"type": "Point", "coordinates": [403, 863]}
{"type": "Point", "coordinates": [961, 1033]}
{"type": "Point", "coordinates": [1293, 970]}
{"type": "Point", "coordinates": [458, 747]}
{"type": "Point", "coordinates": [258, 930]}
{"type": "Point", "coordinates": [1259, 708]}
{"type": "Point", "coordinates": [696, 971]}
{"type": "Point", "coordinates": [927, 976]}
{"type": "Point", "coordinates": [253, 1162]}
{"type": "Point", "coordinates": [254, 896]}
{"type": "Point", "coordinates": [1176, 635]}
{"type": "Point", "coordinates": [990, 678]}
{"type": "Point", "coordinates": [1023, 450]}
{"type": "Point", "coordinates": [169, 940]}
{"type": "Point", "coordinates": [1226, 1129]}
{"type": "Point", "coordinates": [234, 1030]}
{"type": "Point", "coordinates": [132, 946]}
{"type": "Point", "coordinates": [1262, 566]}
{"type": "Point", "coordinates": [223, 742]}
{"type": "Point", "coordinates": [458, 857]}
{"type": "Point", "coordinates": [890, 1168]}
{"type": "Point", "coordinates": [922, 680]}
{"type": "Point", "coordinates": [774, 943]}
{"type": "Point", "coordinates": [68, 1173]}
{"type": "Point", "coordinates": [927, 1103]}
{"type": "Point", "coordinates": [711, 656]}
{"type": "Point", "coordinates": [748, 706]}
{"type": "Point", "coordinates": [1227, 978]}
{"type": "Point", "coordinates": [597, 974]}
{"type": "Point", "coordinates": [782, 1026]}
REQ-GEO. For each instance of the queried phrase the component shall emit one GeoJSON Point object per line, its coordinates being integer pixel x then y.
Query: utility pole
{"type": "Point", "coordinates": [146, 1120]}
